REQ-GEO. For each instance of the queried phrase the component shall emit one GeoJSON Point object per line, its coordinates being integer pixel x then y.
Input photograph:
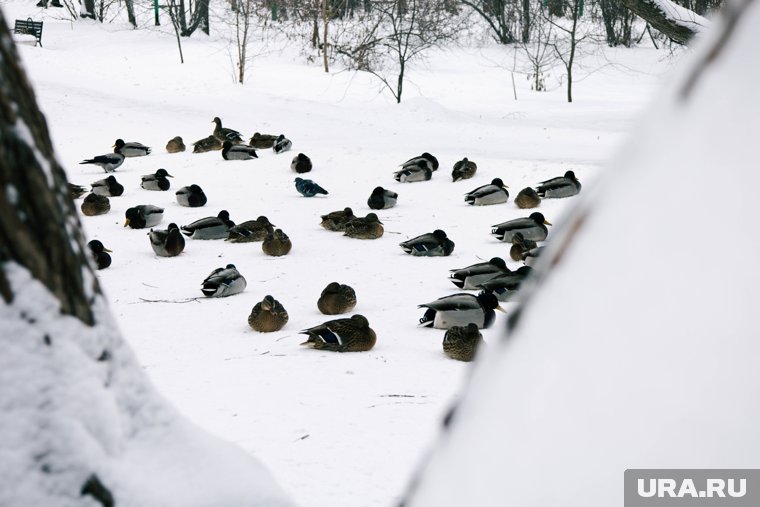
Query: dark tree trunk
{"type": "Point", "coordinates": [650, 11]}
{"type": "Point", "coordinates": [39, 227]}
{"type": "Point", "coordinates": [130, 4]}
{"type": "Point", "coordinates": [199, 19]}
{"type": "Point", "coordinates": [526, 20]}
{"type": "Point", "coordinates": [89, 9]}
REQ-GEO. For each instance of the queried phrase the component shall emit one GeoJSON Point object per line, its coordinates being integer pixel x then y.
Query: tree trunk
{"type": "Point", "coordinates": [39, 228]}
{"type": "Point", "coordinates": [651, 11]}
{"type": "Point", "coordinates": [131, 12]}
{"type": "Point", "coordinates": [89, 9]}
{"type": "Point", "coordinates": [526, 21]}
{"type": "Point", "coordinates": [324, 35]}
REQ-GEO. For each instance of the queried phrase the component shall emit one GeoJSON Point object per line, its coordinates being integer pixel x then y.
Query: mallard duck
{"type": "Point", "coordinates": [527, 199]}
{"type": "Point", "coordinates": [424, 160]}
{"type": "Point", "coordinates": [144, 215]}
{"type": "Point", "coordinates": [217, 227]}
{"type": "Point", "coordinates": [532, 228]}
{"type": "Point", "coordinates": [462, 342]}
{"type": "Point", "coordinates": [460, 310]}
{"type": "Point", "coordinates": [210, 143]}
{"type": "Point", "coordinates": [110, 161]}
{"type": "Point", "coordinates": [132, 149]}
{"type": "Point", "coordinates": [250, 230]}
{"type": "Point", "coordinates": [342, 335]}
{"type": "Point", "coordinates": [225, 134]}
{"type": "Point", "coordinates": [167, 242]}
{"type": "Point", "coordinates": [301, 164]}
{"type": "Point", "coordinates": [382, 199]}
{"type": "Point", "coordinates": [262, 141]}
{"type": "Point", "coordinates": [561, 186]}
{"type": "Point", "coordinates": [108, 187]}
{"type": "Point", "coordinates": [157, 181]}
{"type": "Point", "coordinates": [76, 191]}
{"type": "Point", "coordinates": [191, 196]}
{"type": "Point", "coordinates": [413, 174]}
{"type": "Point", "coordinates": [471, 276]}
{"type": "Point", "coordinates": [494, 193]}
{"type": "Point", "coordinates": [175, 145]}
{"type": "Point", "coordinates": [431, 244]}
{"type": "Point", "coordinates": [237, 151]}
{"type": "Point", "coordinates": [99, 254]}
{"type": "Point", "coordinates": [520, 245]}
{"type": "Point", "coordinates": [464, 170]}
{"type": "Point", "coordinates": [268, 316]}
{"type": "Point", "coordinates": [223, 282]}
{"type": "Point", "coordinates": [337, 220]}
{"type": "Point", "coordinates": [95, 204]}
{"type": "Point", "coordinates": [282, 144]}
{"type": "Point", "coordinates": [308, 188]}
{"type": "Point", "coordinates": [276, 244]}
{"type": "Point", "coordinates": [336, 298]}
{"type": "Point", "coordinates": [369, 227]}
{"type": "Point", "coordinates": [505, 286]}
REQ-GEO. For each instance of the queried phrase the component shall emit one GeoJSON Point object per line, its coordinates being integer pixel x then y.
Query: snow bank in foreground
{"type": "Point", "coordinates": [75, 404]}
{"type": "Point", "coordinates": [640, 348]}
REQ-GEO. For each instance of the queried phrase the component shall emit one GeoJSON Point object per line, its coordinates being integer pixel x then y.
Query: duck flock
{"type": "Point", "coordinates": [461, 315]}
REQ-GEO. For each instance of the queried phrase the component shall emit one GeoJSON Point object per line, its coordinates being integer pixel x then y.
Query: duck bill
{"type": "Point", "coordinates": [499, 308]}
{"type": "Point", "coordinates": [546, 222]}
{"type": "Point", "coordinates": [126, 223]}
{"type": "Point", "coordinates": [107, 250]}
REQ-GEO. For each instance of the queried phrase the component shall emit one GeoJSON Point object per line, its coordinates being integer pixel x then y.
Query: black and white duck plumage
{"type": "Point", "coordinates": [167, 242]}
{"type": "Point", "coordinates": [431, 244]}
{"type": "Point", "coordinates": [223, 282]}
{"type": "Point", "coordinates": [217, 227]}
{"type": "Point", "coordinates": [237, 151]}
{"type": "Point", "coordinates": [424, 160]}
{"type": "Point", "coordinates": [210, 143]}
{"type": "Point", "coordinates": [282, 144]}
{"type": "Point", "coordinates": [157, 181]}
{"type": "Point", "coordinates": [262, 141]}
{"type": "Point", "coordinates": [413, 174]}
{"type": "Point", "coordinates": [505, 287]}
{"type": "Point", "coordinates": [94, 204]}
{"type": "Point", "coordinates": [191, 196]}
{"type": "Point", "coordinates": [336, 298]}
{"type": "Point", "coordinates": [336, 220]}
{"type": "Point", "coordinates": [110, 161]}
{"type": "Point", "coordinates": [143, 216]}
{"type": "Point", "coordinates": [342, 335]}
{"type": "Point", "coordinates": [531, 256]}
{"type": "Point", "coordinates": [520, 246]}
{"type": "Point", "coordinates": [532, 227]}
{"type": "Point", "coordinates": [382, 199]}
{"type": "Point", "coordinates": [561, 186]}
{"type": "Point", "coordinates": [175, 145]}
{"type": "Point", "coordinates": [132, 149]}
{"type": "Point", "coordinates": [301, 164]}
{"type": "Point", "coordinates": [528, 198]}
{"type": "Point", "coordinates": [494, 193]}
{"type": "Point", "coordinates": [108, 187]}
{"type": "Point", "coordinates": [225, 134]}
{"type": "Point", "coordinates": [99, 254]}
{"type": "Point", "coordinates": [471, 276]}
{"type": "Point", "coordinates": [276, 244]}
{"type": "Point", "coordinates": [250, 230]}
{"type": "Point", "coordinates": [368, 227]}
{"type": "Point", "coordinates": [460, 310]}
{"type": "Point", "coordinates": [464, 169]}
{"type": "Point", "coordinates": [268, 315]}
{"type": "Point", "coordinates": [462, 342]}
{"type": "Point", "coordinates": [308, 188]}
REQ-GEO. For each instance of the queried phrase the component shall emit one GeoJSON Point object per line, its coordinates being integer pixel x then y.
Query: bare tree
{"type": "Point", "coordinates": [175, 15]}
{"type": "Point", "coordinates": [503, 17]}
{"type": "Point", "coordinates": [540, 55]}
{"type": "Point", "coordinates": [567, 38]}
{"type": "Point", "coordinates": [394, 33]}
{"type": "Point", "coordinates": [617, 21]}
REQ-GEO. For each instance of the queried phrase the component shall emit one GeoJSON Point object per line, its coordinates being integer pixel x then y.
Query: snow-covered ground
{"type": "Point", "coordinates": [334, 429]}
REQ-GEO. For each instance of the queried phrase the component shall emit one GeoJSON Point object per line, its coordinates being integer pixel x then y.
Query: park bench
{"type": "Point", "coordinates": [29, 27]}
